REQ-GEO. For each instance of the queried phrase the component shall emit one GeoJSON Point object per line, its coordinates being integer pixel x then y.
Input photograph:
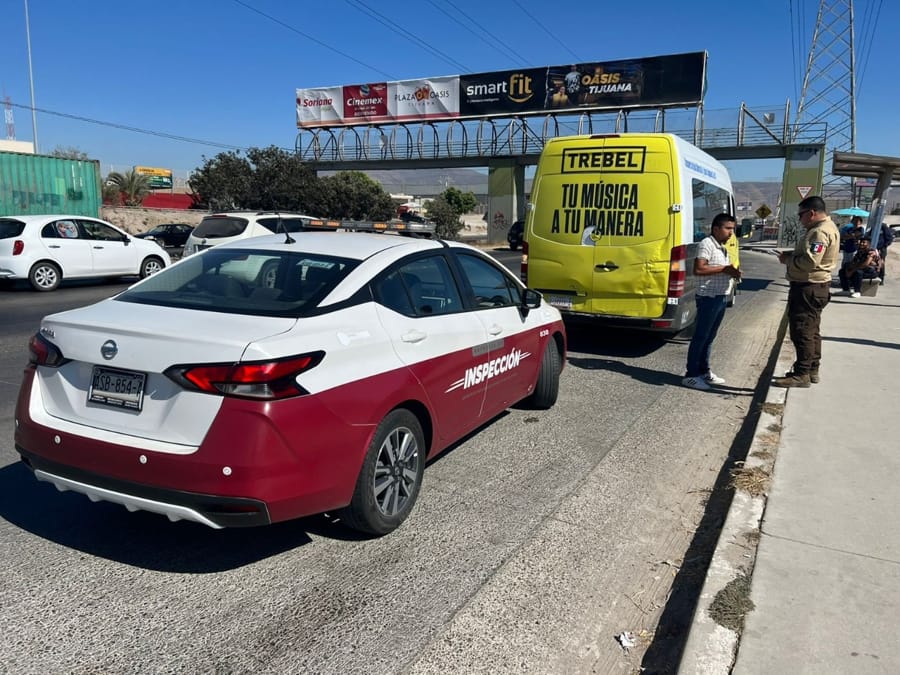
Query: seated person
{"type": "Point", "coordinates": [865, 264]}
{"type": "Point", "coordinates": [850, 235]}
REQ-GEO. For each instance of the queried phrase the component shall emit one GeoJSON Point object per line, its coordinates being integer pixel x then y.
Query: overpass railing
{"type": "Point", "coordinates": [525, 136]}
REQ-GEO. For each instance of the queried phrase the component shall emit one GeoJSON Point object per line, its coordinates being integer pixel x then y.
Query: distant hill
{"type": "Point", "coordinates": [431, 182]}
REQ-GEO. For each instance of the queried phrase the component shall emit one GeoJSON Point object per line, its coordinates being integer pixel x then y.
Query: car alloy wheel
{"type": "Point", "coordinates": [391, 475]}
{"type": "Point", "coordinates": [44, 276]}
{"type": "Point", "coordinates": [150, 266]}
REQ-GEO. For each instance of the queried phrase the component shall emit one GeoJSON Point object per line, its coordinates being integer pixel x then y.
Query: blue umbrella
{"type": "Point", "coordinates": [851, 211]}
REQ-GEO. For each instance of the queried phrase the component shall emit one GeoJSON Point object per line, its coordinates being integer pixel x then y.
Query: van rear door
{"type": "Point", "coordinates": [632, 231]}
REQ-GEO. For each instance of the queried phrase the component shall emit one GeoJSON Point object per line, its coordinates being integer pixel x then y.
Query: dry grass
{"type": "Point", "coordinates": [753, 480]}
{"type": "Point", "coordinates": [775, 409]}
{"type": "Point", "coordinates": [732, 604]}
{"type": "Point", "coordinates": [764, 455]}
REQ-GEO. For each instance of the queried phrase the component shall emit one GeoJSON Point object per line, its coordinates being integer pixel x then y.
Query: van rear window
{"type": "Point", "coordinates": [217, 227]}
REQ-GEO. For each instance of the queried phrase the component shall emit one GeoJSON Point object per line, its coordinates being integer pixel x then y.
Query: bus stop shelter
{"type": "Point", "coordinates": [885, 170]}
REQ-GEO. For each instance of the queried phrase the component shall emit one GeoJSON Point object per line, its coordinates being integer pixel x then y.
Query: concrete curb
{"type": "Point", "coordinates": [711, 648]}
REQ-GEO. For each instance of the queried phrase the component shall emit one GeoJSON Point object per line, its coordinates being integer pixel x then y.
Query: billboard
{"type": "Point", "coordinates": [158, 179]}
{"type": "Point", "coordinates": [656, 81]}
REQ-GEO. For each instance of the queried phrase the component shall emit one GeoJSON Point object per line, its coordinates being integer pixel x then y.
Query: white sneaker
{"type": "Point", "coordinates": [712, 378]}
{"type": "Point", "coordinates": [695, 383]}
{"type": "Point", "coordinates": [854, 294]}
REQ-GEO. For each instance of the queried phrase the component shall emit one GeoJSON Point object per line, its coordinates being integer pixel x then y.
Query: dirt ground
{"type": "Point", "coordinates": [136, 220]}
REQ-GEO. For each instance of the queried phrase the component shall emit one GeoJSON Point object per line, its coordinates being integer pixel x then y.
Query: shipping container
{"type": "Point", "coordinates": [39, 184]}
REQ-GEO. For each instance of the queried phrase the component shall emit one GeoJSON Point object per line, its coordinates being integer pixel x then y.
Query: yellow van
{"type": "Point", "coordinates": [613, 225]}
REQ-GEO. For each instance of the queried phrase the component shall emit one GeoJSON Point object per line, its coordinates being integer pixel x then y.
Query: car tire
{"type": "Point", "coordinates": [391, 475]}
{"type": "Point", "coordinates": [151, 265]}
{"type": "Point", "coordinates": [44, 276]}
{"type": "Point", "coordinates": [268, 276]}
{"type": "Point", "coordinates": [546, 388]}
{"type": "Point", "coordinates": [513, 247]}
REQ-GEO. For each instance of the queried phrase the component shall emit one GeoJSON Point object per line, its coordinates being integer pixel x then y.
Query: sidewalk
{"type": "Point", "coordinates": [825, 584]}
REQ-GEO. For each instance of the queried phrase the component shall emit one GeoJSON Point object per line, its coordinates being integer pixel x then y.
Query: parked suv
{"type": "Point", "coordinates": [220, 228]}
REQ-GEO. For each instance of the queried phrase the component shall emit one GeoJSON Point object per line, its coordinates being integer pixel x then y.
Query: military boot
{"type": "Point", "coordinates": [792, 380]}
{"type": "Point", "coordinates": [814, 376]}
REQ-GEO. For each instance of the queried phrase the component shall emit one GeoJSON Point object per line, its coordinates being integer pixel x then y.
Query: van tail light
{"type": "Point", "coordinates": [18, 247]}
{"type": "Point", "coordinates": [42, 352]}
{"type": "Point", "coordinates": [262, 380]}
{"type": "Point", "coordinates": [677, 272]}
{"type": "Point", "coordinates": [523, 269]}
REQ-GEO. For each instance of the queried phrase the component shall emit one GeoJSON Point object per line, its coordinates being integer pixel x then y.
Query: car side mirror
{"type": "Point", "coordinates": [530, 299]}
{"type": "Point", "coordinates": [126, 239]}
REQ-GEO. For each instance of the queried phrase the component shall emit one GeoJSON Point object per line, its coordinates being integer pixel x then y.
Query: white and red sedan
{"type": "Point", "coordinates": [284, 376]}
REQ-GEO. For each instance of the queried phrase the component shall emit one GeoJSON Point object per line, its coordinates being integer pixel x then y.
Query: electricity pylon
{"type": "Point", "coordinates": [829, 88]}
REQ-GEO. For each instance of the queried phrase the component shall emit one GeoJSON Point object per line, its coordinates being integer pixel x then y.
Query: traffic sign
{"type": "Point", "coordinates": [805, 190]}
{"type": "Point", "coordinates": [763, 212]}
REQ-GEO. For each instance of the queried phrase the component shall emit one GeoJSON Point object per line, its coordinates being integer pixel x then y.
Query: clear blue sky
{"type": "Point", "coordinates": [220, 71]}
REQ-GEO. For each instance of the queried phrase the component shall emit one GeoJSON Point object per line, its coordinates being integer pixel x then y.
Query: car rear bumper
{"type": "Point", "coordinates": [211, 510]}
{"type": "Point", "coordinates": [259, 462]}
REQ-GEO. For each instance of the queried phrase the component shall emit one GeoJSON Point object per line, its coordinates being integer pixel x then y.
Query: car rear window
{"type": "Point", "coordinates": [11, 228]}
{"type": "Point", "coordinates": [237, 281]}
{"type": "Point", "coordinates": [217, 227]}
{"type": "Point", "coordinates": [286, 224]}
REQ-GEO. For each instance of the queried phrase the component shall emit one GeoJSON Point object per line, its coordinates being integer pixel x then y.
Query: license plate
{"type": "Point", "coordinates": [560, 301]}
{"type": "Point", "coordinates": [117, 388]}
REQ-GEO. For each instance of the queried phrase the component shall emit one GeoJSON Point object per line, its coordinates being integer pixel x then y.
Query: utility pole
{"type": "Point", "coordinates": [31, 78]}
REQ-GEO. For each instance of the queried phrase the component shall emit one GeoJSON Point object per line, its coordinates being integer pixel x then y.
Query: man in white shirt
{"type": "Point", "coordinates": [715, 271]}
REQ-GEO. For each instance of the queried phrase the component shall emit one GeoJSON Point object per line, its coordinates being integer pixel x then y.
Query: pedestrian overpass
{"type": "Point", "coordinates": [507, 145]}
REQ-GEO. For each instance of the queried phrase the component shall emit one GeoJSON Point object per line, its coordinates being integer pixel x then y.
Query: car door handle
{"type": "Point", "coordinates": [495, 329]}
{"type": "Point", "coordinates": [53, 246]}
{"type": "Point", "coordinates": [98, 247]}
{"type": "Point", "coordinates": [606, 266]}
{"type": "Point", "coordinates": [413, 336]}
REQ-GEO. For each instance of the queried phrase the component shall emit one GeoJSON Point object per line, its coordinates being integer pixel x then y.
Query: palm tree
{"type": "Point", "coordinates": [133, 187]}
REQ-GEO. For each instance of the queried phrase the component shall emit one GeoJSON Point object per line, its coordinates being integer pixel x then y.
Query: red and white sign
{"type": "Point", "coordinates": [320, 107]}
{"type": "Point", "coordinates": [366, 102]}
{"type": "Point", "coordinates": [437, 97]}
{"type": "Point", "coordinates": [804, 190]}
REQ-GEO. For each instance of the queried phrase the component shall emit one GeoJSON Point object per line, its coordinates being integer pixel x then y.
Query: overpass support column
{"type": "Point", "coordinates": [506, 197]}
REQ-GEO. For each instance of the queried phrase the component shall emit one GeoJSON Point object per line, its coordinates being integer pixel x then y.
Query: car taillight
{"type": "Point", "coordinates": [18, 247]}
{"type": "Point", "coordinates": [677, 271]}
{"type": "Point", "coordinates": [269, 380]}
{"type": "Point", "coordinates": [523, 268]}
{"type": "Point", "coordinates": [42, 352]}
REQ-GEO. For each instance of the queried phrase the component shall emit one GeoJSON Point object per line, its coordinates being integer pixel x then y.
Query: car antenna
{"type": "Point", "coordinates": [288, 239]}
{"type": "Point", "coordinates": [287, 235]}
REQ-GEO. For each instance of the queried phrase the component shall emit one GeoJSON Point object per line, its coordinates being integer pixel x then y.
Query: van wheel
{"type": "Point", "coordinates": [546, 388]}
{"type": "Point", "coordinates": [391, 475]}
{"type": "Point", "coordinates": [513, 247]}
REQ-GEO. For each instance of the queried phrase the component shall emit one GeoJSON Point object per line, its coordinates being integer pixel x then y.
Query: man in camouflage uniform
{"type": "Point", "coordinates": [808, 269]}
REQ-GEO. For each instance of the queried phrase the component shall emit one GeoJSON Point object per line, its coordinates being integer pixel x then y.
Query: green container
{"type": "Point", "coordinates": [39, 184]}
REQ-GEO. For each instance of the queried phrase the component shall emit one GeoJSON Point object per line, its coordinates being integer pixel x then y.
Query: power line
{"type": "Point", "coordinates": [314, 39]}
{"type": "Point", "coordinates": [385, 21]}
{"type": "Point", "coordinates": [493, 42]}
{"type": "Point", "coordinates": [546, 30]}
{"type": "Point", "coordinates": [137, 130]}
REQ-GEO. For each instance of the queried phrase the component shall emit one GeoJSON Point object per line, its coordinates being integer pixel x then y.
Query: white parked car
{"type": "Point", "coordinates": [47, 249]}
{"type": "Point", "coordinates": [323, 384]}
{"type": "Point", "coordinates": [222, 228]}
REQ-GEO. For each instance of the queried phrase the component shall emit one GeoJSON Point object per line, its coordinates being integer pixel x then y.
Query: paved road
{"type": "Point", "coordinates": [534, 542]}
